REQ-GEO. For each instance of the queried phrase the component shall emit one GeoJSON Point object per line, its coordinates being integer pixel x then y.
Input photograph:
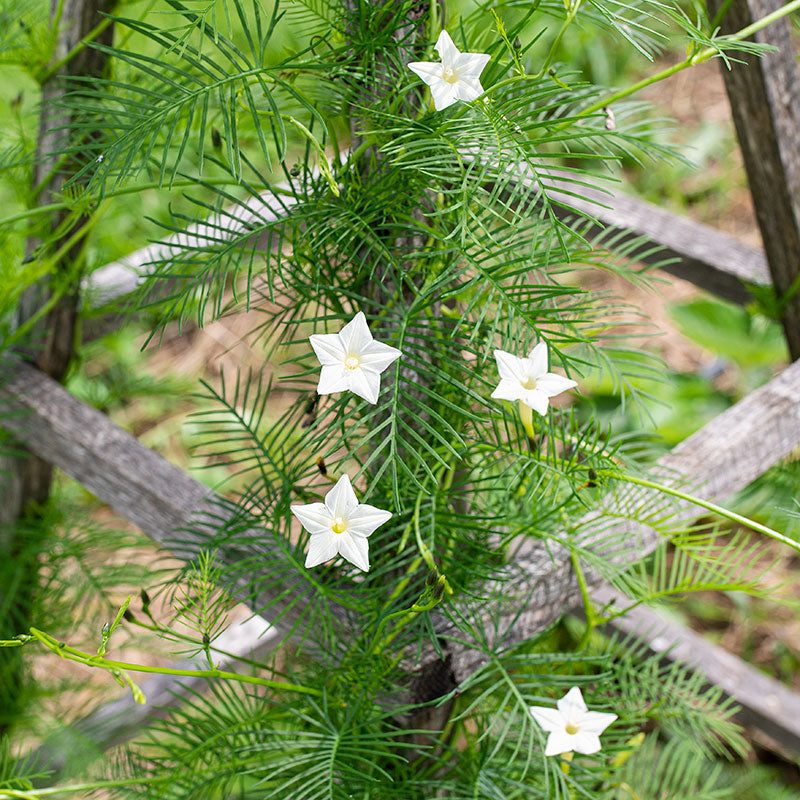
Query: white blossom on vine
{"type": "Point", "coordinates": [456, 77]}
{"type": "Point", "coordinates": [572, 727]}
{"type": "Point", "coordinates": [527, 379]}
{"type": "Point", "coordinates": [352, 360]}
{"type": "Point", "coordinates": [340, 526]}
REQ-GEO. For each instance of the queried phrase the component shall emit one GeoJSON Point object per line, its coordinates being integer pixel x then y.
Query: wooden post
{"type": "Point", "coordinates": [765, 100]}
{"type": "Point", "coordinates": [50, 343]}
{"type": "Point", "coordinates": [27, 478]}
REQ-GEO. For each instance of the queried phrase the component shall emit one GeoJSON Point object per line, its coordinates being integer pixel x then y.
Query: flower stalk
{"type": "Point", "coordinates": [699, 501]}
{"type": "Point", "coordinates": [700, 57]}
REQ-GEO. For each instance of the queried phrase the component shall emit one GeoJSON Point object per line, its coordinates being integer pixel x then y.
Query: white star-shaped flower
{"type": "Point", "coordinates": [340, 526]}
{"type": "Point", "coordinates": [455, 77]}
{"type": "Point", "coordinates": [572, 727]}
{"type": "Point", "coordinates": [352, 360]}
{"type": "Point", "coordinates": [527, 379]}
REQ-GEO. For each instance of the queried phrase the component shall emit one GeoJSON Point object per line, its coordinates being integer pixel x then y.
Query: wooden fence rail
{"type": "Point", "coordinates": [768, 709]}
{"type": "Point", "coordinates": [721, 458]}
{"type": "Point", "coordinates": [711, 260]}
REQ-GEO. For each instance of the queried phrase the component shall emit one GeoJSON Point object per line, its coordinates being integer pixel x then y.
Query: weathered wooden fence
{"type": "Point", "coordinates": [720, 459]}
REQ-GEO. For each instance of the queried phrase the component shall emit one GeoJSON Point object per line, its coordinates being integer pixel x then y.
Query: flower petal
{"type": "Point", "coordinates": [552, 384]}
{"type": "Point", "coordinates": [315, 517]}
{"type": "Point", "coordinates": [328, 348]}
{"type": "Point", "coordinates": [444, 94]}
{"type": "Point", "coordinates": [536, 400]}
{"type": "Point", "coordinates": [549, 719]}
{"type": "Point", "coordinates": [470, 65]}
{"type": "Point", "coordinates": [595, 721]}
{"type": "Point", "coordinates": [509, 366]}
{"type": "Point", "coordinates": [429, 71]}
{"type": "Point", "coordinates": [558, 742]}
{"type": "Point", "coordinates": [377, 356]}
{"type": "Point", "coordinates": [333, 378]}
{"type": "Point", "coordinates": [508, 390]}
{"type": "Point", "coordinates": [571, 705]}
{"type": "Point", "coordinates": [447, 49]}
{"type": "Point", "coordinates": [538, 359]}
{"type": "Point", "coordinates": [468, 89]}
{"type": "Point", "coordinates": [365, 519]}
{"type": "Point", "coordinates": [365, 383]}
{"type": "Point", "coordinates": [355, 336]}
{"type": "Point", "coordinates": [321, 548]}
{"type": "Point", "coordinates": [585, 742]}
{"type": "Point", "coordinates": [355, 549]}
{"type": "Point", "coordinates": [341, 501]}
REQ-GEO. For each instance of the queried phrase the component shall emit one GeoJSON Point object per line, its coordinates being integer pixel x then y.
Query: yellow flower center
{"type": "Point", "coordinates": [571, 728]}
{"type": "Point", "coordinates": [449, 75]}
{"type": "Point", "coordinates": [529, 383]}
{"type": "Point", "coordinates": [352, 362]}
{"type": "Point", "coordinates": [339, 525]}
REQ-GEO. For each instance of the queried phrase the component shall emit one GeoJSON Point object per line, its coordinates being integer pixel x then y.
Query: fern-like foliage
{"type": "Point", "coordinates": [149, 119]}
{"type": "Point", "coordinates": [316, 182]}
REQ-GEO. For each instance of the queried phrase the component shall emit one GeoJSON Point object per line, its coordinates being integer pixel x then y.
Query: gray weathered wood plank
{"type": "Point", "coordinates": [723, 457]}
{"type": "Point", "coordinates": [161, 499]}
{"type": "Point", "coordinates": [765, 101]}
{"type": "Point", "coordinates": [711, 260]}
{"type": "Point", "coordinates": [767, 706]}
{"type": "Point", "coordinates": [126, 275]}
{"type": "Point", "coordinates": [118, 279]}
{"type": "Point", "coordinates": [142, 486]}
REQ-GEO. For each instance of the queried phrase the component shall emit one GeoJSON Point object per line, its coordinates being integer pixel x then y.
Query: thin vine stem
{"type": "Point", "coordinates": [707, 504]}
{"type": "Point", "coordinates": [695, 58]}
{"type": "Point", "coordinates": [588, 606]}
{"type": "Point", "coordinates": [721, 12]}
{"type": "Point", "coordinates": [573, 10]}
{"type": "Point", "coordinates": [91, 660]}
